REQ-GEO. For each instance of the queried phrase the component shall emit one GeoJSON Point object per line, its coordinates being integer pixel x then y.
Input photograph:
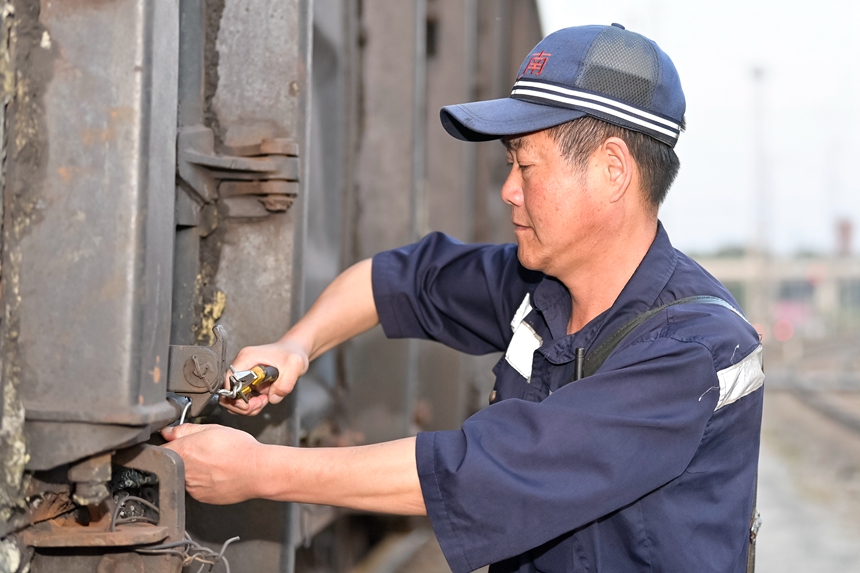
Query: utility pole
{"type": "Point", "coordinates": [760, 251]}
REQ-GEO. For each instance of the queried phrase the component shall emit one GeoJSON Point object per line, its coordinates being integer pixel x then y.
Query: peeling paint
{"type": "Point", "coordinates": [24, 71]}
{"type": "Point", "coordinates": [10, 557]}
{"type": "Point", "coordinates": [212, 311]}
{"type": "Point", "coordinates": [13, 449]}
{"type": "Point", "coordinates": [15, 455]}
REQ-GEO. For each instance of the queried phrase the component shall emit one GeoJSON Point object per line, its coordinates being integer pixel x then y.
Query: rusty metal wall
{"type": "Point", "coordinates": [12, 445]}
{"type": "Point", "coordinates": [256, 84]}
{"type": "Point", "coordinates": [91, 255]}
{"type": "Point", "coordinates": [90, 93]}
{"type": "Point", "coordinates": [370, 128]}
{"type": "Point", "coordinates": [391, 173]}
{"type": "Point", "coordinates": [481, 44]}
{"type": "Point", "coordinates": [369, 191]}
{"type": "Point", "coordinates": [92, 200]}
{"type": "Point", "coordinates": [166, 172]}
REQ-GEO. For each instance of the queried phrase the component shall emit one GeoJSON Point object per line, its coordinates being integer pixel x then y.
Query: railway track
{"type": "Point", "coordinates": [818, 401]}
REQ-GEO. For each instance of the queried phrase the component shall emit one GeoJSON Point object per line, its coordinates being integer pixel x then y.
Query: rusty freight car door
{"type": "Point", "coordinates": [152, 179]}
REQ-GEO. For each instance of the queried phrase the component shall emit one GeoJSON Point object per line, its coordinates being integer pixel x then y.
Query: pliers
{"type": "Point", "coordinates": [244, 382]}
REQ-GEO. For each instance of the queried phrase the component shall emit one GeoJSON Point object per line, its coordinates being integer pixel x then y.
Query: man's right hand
{"type": "Point", "coordinates": [288, 356]}
{"type": "Point", "coordinates": [344, 309]}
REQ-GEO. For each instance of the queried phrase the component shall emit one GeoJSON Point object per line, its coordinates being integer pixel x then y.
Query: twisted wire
{"type": "Point", "coordinates": [187, 549]}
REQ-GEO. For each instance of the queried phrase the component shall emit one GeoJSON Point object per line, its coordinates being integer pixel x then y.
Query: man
{"type": "Point", "coordinates": [647, 463]}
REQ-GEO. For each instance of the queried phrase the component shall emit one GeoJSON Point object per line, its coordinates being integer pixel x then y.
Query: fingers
{"type": "Point", "coordinates": [171, 433]}
{"type": "Point", "coordinates": [291, 360]}
{"type": "Point", "coordinates": [213, 471]}
{"type": "Point", "coordinates": [294, 366]}
{"type": "Point", "coordinates": [238, 406]}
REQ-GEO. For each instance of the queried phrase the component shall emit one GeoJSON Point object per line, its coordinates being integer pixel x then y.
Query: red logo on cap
{"type": "Point", "coordinates": [536, 64]}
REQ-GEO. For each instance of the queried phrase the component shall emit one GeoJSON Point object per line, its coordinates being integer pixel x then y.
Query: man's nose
{"type": "Point", "coordinates": [512, 190]}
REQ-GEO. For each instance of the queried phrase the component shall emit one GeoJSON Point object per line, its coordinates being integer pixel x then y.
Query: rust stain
{"type": "Point", "coordinates": [65, 8]}
{"type": "Point", "coordinates": [90, 136]}
{"type": "Point", "coordinates": [156, 375]}
{"type": "Point", "coordinates": [212, 311]}
{"type": "Point", "coordinates": [140, 400]}
{"type": "Point", "coordinates": [114, 287]}
{"type": "Point", "coordinates": [69, 172]}
{"type": "Point", "coordinates": [117, 117]}
{"type": "Point", "coordinates": [121, 114]}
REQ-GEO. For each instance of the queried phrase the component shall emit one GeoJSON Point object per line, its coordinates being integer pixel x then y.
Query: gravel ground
{"type": "Point", "coordinates": [809, 488]}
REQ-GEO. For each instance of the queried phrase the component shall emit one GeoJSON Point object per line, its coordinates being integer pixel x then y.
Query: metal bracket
{"type": "Point", "coordinates": [170, 471]}
{"type": "Point", "coordinates": [255, 180]}
{"type": "Point", "coordinates": [197, 372]}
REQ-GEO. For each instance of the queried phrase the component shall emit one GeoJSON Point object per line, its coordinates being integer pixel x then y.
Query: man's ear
{"type": "Point", "coordinates": [619, 167]}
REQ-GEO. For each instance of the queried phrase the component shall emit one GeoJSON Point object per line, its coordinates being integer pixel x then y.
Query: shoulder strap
{"type": "Point", "coordinates": [587, 366]}
{"type": "Point", "coordinates": [598, 356]}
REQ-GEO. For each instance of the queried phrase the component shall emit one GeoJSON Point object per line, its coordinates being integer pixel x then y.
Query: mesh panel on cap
{"type": "Point", "coordinates": [622, 65]}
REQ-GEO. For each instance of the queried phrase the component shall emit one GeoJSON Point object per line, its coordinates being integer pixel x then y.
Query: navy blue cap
{"type": "Point", "coordinates": [606, 72]}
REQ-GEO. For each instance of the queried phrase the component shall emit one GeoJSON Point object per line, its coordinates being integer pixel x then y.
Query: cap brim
{"type": "Point", "coordinates": [497, 118]}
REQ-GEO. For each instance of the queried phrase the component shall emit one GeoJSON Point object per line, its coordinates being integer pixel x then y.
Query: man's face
{"type": "Point", "coordinates": [557, 211]}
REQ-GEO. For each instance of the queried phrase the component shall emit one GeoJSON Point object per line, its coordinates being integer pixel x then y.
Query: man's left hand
{"type": "Point", "coordinates": [220, 462]}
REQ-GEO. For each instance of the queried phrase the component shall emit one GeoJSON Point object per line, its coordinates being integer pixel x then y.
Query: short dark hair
{"type": "Point", "coordinates": [657, 162]}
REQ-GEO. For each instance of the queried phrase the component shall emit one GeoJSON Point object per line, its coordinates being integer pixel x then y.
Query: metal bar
{"type": "Point", "coordinates": [470, 69]}
{"type": "Point", "coordinates": [160, 47]}
{"type": "Point", "coordinates": [192, 36]}
{"type": "Point", "coordinates": [300, 212]}
{"type": "Point", "coordinates": [418, 202]}
{"type": "Point", "coordinates": [417, 198]}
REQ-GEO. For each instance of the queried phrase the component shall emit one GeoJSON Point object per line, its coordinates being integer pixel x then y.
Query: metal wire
{"type": "Point", "coordinates": [115, 519]}
{"type": "Point", "coordinates": [184, 412]}
{"type": "Point", "coordinates": [191, 552]}
{"type": "Point", "coordinates": [136, 519]}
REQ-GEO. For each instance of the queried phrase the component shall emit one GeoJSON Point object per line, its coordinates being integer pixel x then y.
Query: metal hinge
{"type": "Point", "coordinates": [252, 181]}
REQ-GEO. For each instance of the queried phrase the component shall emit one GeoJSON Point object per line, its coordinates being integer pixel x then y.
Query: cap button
{"type": "Point", "coordinates": [617, 25]}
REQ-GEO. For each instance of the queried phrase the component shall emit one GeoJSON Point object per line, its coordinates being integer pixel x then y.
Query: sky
{"type": "Point", "coordinates": [810, 134]}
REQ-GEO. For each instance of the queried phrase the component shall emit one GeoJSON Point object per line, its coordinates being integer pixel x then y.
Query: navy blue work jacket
{"type": "Point", "coordinates": [647, 465]}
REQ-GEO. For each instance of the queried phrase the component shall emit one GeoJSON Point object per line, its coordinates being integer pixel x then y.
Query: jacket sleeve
{"type": "Point", "coordinates": [463, 296]}
{"type": "Point", "coordinates": [522, 473]}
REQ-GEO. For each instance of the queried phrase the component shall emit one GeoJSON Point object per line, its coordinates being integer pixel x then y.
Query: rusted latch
{"type": "Point", "coordinates": [110, 519]}
{"type": "Point", "coordinates": [253, 180]}
{"type": "Point", "coordinates": [197, 372]}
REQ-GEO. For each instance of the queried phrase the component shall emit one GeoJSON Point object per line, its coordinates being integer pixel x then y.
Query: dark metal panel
{"type": "Point", "coordinates": [54, 443]}
{"type": "Point", "coordinates": [447, 377]}
{"type": "Point", "coordinates": [63, 546]}
{"type": "Point", "coordinates": [262, 76]}
{"type": "Point", "coordinates": [256, 66]}
{"type": "Point", "coordinates": [158, 156]}
{"type": "Point", "coordinates": [260, 68]}
{"type": "Point", "coordinates": [387, 210]}
{"type": "Point", "coordinates": [327, 146]}
{"type": "Point", "coordinates": [96, 259]}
